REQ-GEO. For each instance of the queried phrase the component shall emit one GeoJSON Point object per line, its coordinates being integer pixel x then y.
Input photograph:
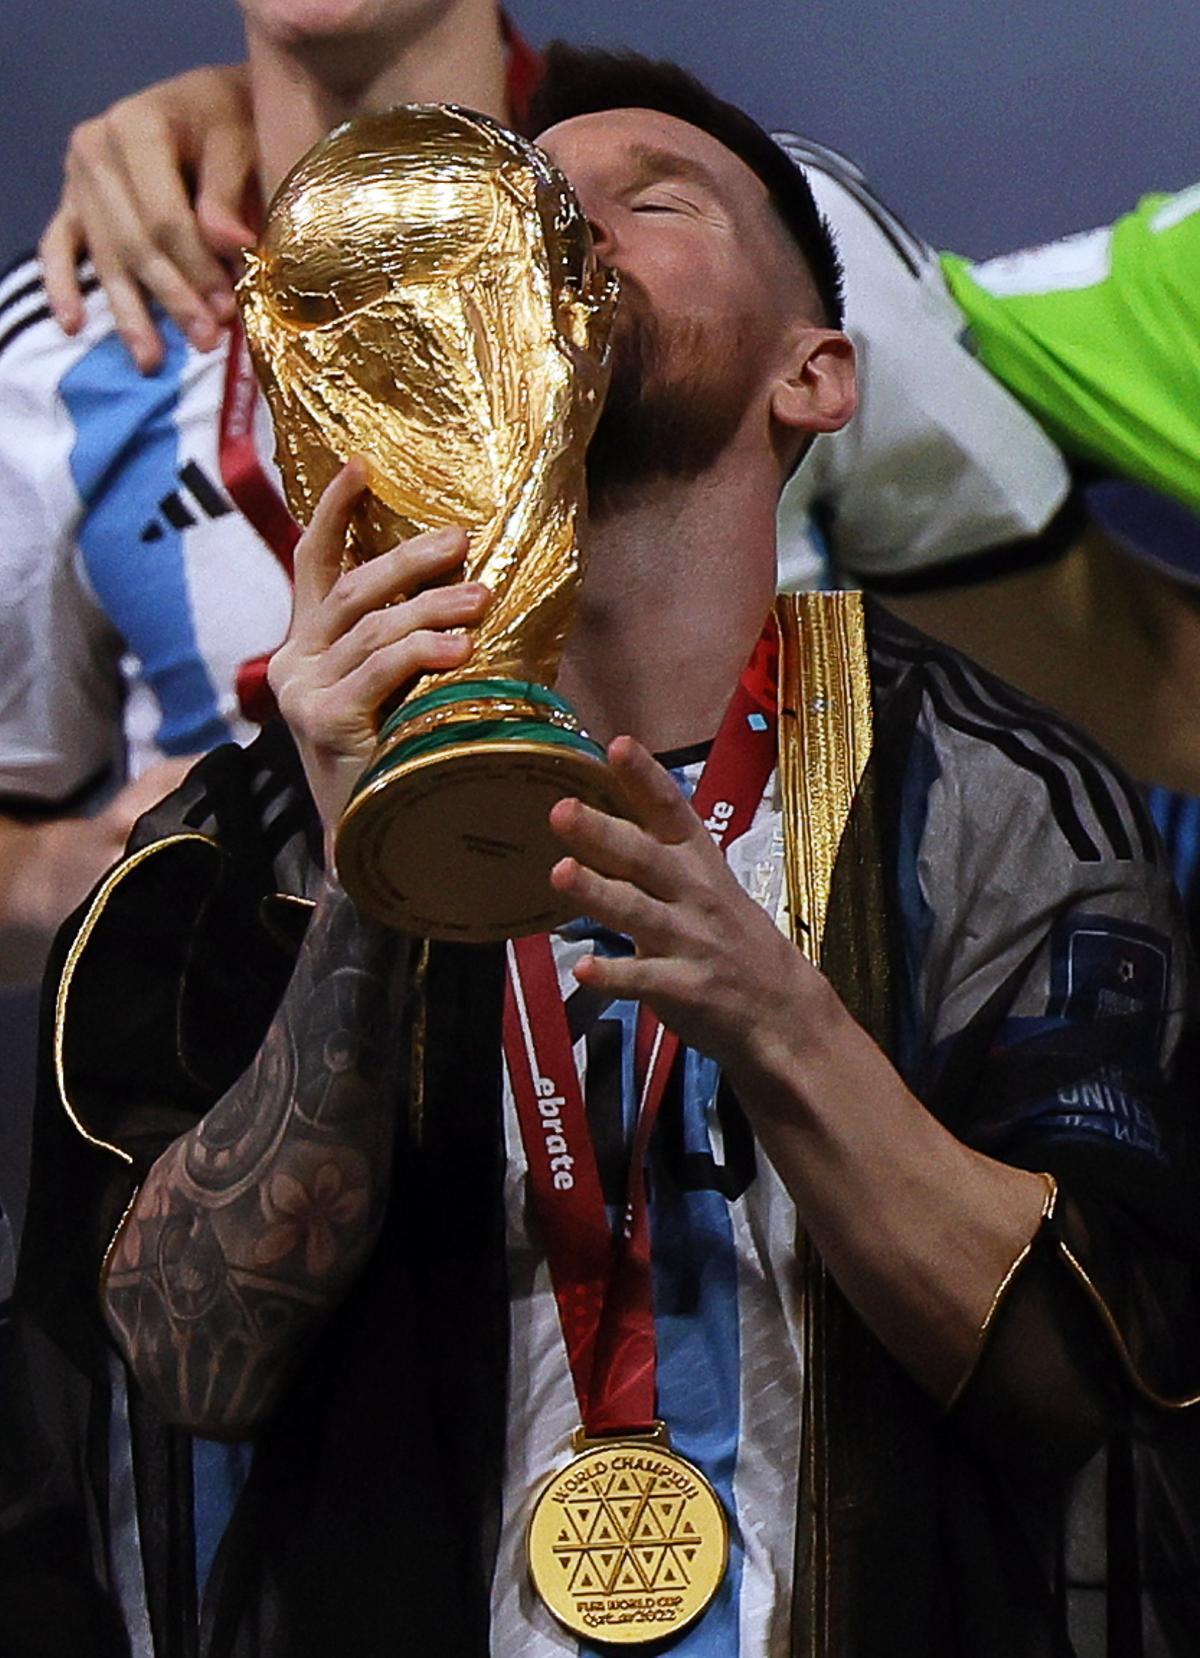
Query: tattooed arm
{"type": "Point", "coordinates": [253, 1225]}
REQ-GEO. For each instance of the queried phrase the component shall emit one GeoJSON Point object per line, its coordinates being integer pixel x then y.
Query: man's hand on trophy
{"type": "Point", "coordinates": [359, 636]}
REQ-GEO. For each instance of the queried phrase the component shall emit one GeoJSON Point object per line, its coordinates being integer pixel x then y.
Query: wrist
{"type": "Point", "coordinates": [374, 939]}
{"type": "Point", "coordinates": [792, 1044]}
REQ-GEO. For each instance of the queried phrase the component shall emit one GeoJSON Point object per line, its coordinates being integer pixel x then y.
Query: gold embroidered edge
{"type": "Point", "coordinates": [1160, 1401]}
{"type": "Point", "coordinates": [1000, 1295]}
{"type": "Point", "coordinates": [79, 944]}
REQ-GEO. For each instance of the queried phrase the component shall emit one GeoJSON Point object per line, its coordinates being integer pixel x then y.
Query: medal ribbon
{"type": "Point", "coordinates": [602, 1278]}
{"type": "Point", "coordinates": [243, 474]}
{"type": "Point", "coordinates": [255, 496]}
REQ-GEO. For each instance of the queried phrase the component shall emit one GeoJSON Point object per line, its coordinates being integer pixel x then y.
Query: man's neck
{"type": "Point", "coordinates": [303, 87]}
{"type": "Point", "coordinates": [677, 589]}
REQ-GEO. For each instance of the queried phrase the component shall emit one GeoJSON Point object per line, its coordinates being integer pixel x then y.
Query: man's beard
{"type": "Point", "coordinates": [676, 397]}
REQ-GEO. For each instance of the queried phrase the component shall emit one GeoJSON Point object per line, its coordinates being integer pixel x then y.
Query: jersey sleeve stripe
{"type": "Point", "coordinates": [986, 708]}
{"type": "Point", "coordinates": [1106, 786]}
{"type": "Point", "coordinates": [1059, 753]}
{"type": "Point", "coordinates": [25, 290]}
{"type": "Point", "coordinates": [41, 313]}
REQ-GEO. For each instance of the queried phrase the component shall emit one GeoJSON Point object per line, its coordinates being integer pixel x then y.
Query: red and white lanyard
{"type": "Point", "coordinates": [256, 497]}
{"type": "Point", "coordinates": [602, 1279]}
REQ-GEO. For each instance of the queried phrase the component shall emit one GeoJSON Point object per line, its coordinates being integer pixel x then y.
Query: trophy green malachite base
{"type": "Point", "coordinates": [446, 834]}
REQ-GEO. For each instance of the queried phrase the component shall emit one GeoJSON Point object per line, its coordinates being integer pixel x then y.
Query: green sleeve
{"type": "Point", "coordinates": [1099, 336]}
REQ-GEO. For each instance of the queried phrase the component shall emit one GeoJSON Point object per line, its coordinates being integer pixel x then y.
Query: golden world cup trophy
{"type": "Point", "coordinates": [425, 295]}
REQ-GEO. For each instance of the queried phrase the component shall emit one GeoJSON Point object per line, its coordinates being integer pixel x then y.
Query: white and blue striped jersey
{"type": "Point", "coordinates": [133, 591]}
{"type": "Point", "coordinates": [727, 1306]}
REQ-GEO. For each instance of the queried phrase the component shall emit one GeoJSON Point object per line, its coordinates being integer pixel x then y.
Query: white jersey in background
{"type": "Point", "coordinates": [940, 461]}
{"type": "Point", "coordinates": [133, 591]}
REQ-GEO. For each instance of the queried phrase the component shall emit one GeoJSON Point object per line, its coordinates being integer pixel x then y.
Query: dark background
{"type": "Point", "coordinates": [987, 123]}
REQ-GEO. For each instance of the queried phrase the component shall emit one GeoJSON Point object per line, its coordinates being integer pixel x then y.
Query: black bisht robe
{"type": "Point", "coordinates": [369, 1519]}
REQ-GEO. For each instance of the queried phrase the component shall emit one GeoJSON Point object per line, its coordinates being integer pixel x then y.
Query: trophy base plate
{"type": "Point", "coordinates": [456, 844]}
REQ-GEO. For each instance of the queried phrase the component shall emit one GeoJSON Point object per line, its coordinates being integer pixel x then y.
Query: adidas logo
{"type": "Point", "coordinates": [177, 507]}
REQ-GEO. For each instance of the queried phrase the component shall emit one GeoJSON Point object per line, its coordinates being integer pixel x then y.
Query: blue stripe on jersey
{"type": "Point", "coordinates": [696, 1323]}
{"type": "Point", "coordinates": [219, 1471]}
{"type": "Point", "coordinates": [699, 1343]}
{"type": "Point", "coordinates": [695, 1303]}
{"type": "Point", "coordinates": [124, 461]}
{"type": "Point", "coordinates": [1177, 819]}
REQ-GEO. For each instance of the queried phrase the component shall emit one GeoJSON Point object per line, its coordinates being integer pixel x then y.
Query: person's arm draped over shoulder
{"type": "Point", "coordinates": [130, 175]}
{"type": "Point", "coordinates": [294, 1224]}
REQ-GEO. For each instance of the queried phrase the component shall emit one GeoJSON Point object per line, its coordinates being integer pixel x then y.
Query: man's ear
{"type": "Point", "coordinates": [818, 391]}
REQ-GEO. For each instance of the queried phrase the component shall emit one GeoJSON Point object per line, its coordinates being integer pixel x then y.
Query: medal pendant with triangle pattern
{"type": "Point", "coordinates": [628, 1543]}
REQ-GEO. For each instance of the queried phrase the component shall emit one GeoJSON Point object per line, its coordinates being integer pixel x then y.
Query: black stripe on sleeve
{"type": "Point", "coordinates": [25, 291]}
{"type": "Point", "coordinates": [1099, 796]}
{"type": "Point", "coordinates": [991, 701]}
{"type": "Point", "coordinates": [1057, 784]}
{"type": "Point", "coordinates": [41, 314]}
{"type": "Point", "coordinates": [1105, 784]}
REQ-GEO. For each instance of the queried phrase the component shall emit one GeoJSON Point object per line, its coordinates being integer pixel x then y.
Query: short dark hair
{"type": "Point", "coordinates": [580, 80]}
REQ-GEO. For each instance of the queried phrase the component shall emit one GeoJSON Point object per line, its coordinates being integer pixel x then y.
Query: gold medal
{"type": "Point", "coordinates": [628, 1543]}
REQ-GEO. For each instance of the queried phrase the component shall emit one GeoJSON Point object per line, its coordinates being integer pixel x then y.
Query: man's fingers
{"type": "Point", "coordinates": [168, 253]}
{"type": "Point", "coordinates": [131, 318]}
{"type": "Point", "coordinates": [611, 846]}
{"type": "Point", "coordinates": [617, 904]}
{"type": "Point", "coordinates": [224, 169]}
{"type": "Point", "coordinates": [345, 597]}
{"type": "Point", "coordinates": [436, 610]}
{"type": "Point", "coordinates": [160, 278]}
{"type": "Point", "coordinates": [126, 202]}
{"type": "Point", "coordinates": [120, 254]}
{"type": "Point", "coordinates": [632, 978]}
{"type": "Point", "coordinates": [400, 573]}
{"type": "Point", "coordinates": [320, 550]}
{"type": "Point", "coordinates": [395, 666]}
{"type": "Point", "coordinates": [61, 244]}
{"type": "Point", "coordinates": [653, 796]}
{"type": "Point", "coordinates": [101, 201]}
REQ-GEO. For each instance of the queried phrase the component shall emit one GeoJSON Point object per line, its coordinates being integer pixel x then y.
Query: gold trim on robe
{"type": "Point", "coordinates": [826, 732]}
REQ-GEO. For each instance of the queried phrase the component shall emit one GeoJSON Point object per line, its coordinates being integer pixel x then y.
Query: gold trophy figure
{"type": "Point", "coordinates": [425, 295]}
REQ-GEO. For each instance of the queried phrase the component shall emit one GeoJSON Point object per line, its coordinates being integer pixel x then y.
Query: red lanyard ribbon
{"type": "Point", "coordinates": [243, 474]}
{"type": "Point", "coordinates": [603, 1281]}
{"type": "Point", "coordinates": [255, 496]}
